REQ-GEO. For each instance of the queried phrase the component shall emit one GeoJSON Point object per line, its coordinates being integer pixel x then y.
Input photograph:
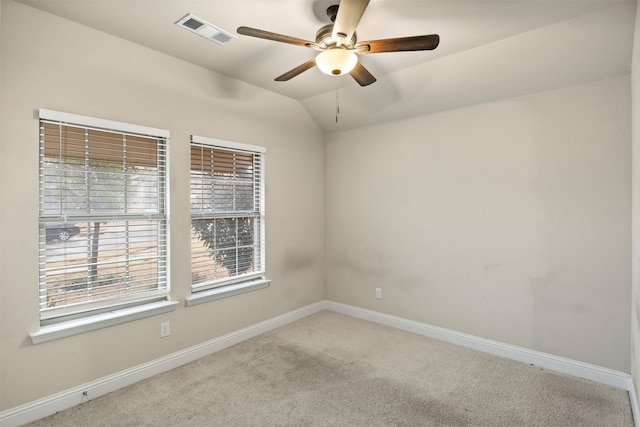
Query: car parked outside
{"type": "Point", "coordinates": [61, 232]}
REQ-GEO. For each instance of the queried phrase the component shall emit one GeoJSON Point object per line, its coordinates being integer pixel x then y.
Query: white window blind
{"type": "Point", "coordinates": [103, 223]}
{"type": "Point", "coordinates": [227, 213]}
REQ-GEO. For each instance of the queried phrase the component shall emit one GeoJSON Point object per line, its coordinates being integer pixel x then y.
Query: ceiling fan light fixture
{"type": "Point", "coordinates": [336, 61]}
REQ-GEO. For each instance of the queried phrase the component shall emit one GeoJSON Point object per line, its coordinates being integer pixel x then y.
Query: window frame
{"type": "Point", "coordinates": [225, 287]}
{"type": "Point", "coordinates": [70, 320]}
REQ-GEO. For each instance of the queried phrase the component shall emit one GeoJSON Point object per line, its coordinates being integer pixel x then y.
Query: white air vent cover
{"type": "Point", "coordinates": [204, 29]}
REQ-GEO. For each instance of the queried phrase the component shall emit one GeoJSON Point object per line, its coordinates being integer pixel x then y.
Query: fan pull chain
{"type": "Point", "coordinates": [337, 102]}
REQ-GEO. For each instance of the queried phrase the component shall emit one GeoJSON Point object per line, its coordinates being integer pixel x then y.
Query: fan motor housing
{"type": "Point", "coordinates": [324, 39]}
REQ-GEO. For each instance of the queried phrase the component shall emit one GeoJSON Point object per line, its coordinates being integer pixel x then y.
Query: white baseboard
{"type": "Point", "coordinates": [556, 363]}
{"type": "Point", "coordinates": [633, 397]}
{"type": "Point", "coordinates": [69, 398]}
{"type": "Point", "coordinates": [66, 399]}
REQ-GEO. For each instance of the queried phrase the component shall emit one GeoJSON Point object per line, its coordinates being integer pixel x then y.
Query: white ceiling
{"type": "Point", "coordinates": [489, 50]}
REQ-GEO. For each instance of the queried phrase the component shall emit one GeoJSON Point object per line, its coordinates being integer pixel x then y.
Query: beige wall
{"type": "Point", "coordinates": [51, 63]}
{"type": "Point", "coordinates": [635, 127]}
{"type": "Point", "coordinates": [508, 220]}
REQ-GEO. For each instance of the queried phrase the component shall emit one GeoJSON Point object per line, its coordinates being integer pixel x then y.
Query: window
{"type": "Point", "coordinates": [103, 216]}
{"type": "Point", "coordinates": [227, 216]}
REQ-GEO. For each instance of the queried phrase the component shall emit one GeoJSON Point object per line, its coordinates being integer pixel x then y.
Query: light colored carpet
{"type": "Point", "coordinates": [334, 370]}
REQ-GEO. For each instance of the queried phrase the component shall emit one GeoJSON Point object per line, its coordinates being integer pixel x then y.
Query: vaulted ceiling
{"type": "Point", "coordinates": [489, 50]}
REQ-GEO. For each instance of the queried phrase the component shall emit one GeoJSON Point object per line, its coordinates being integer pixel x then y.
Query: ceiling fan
{"type": "Point", "coordinates": [338, 44]}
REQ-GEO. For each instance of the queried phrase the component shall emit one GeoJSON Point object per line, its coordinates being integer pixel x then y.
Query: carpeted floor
{"type": "Point", "coordinates": [334, 370]}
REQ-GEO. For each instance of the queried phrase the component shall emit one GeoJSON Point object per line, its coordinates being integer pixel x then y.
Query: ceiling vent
{"type": "Point", "coordinates": [204, 29]}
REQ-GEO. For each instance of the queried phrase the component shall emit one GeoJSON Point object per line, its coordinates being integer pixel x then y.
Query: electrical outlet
{"type": "Point", "coordinates": [379, 293]}
{"type": "Point", "coordinates": [165, 329]}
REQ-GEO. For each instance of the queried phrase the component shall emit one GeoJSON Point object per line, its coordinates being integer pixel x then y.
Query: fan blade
{"type": "Point", "coordinates": [362, 75]}
{"type": "Point", "coordinates": [400, 44]}
{"type": "Point", "coordinates": [262, 34]}
{"type": "Point", "coordinates": [349, 14]}
{"type": "Point", "coordinates": [298, 70]}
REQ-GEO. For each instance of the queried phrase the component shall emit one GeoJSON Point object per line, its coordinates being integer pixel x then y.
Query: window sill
{"type": "Point", "coordinates": [91, 323]}
{"type": "Point", "coordinates": [226, 291]}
